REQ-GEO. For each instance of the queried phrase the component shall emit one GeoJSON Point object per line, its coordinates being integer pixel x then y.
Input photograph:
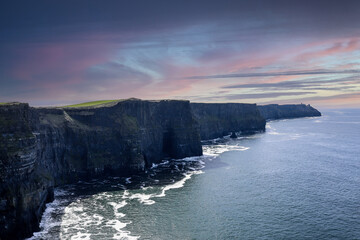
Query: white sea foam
{"type": "Point", "coordinates": [274, 133]}
{"type": "Point", "coordinates": [127, 180]}
{"type": "Point", "coordinates": [216, 150]}
{"type": "Point", "coordinates": [116, 207]}
{"type": "Point", "coordinates": [178, 184]}
{"type": "Point", "coordinates": [79, 217]}
{"type": "Point", "coordinates": [60, 193]}
{"type": "Point", "coordinates": [48, 222]}
{"type": "Point", "coordinates": [146, 188]}
{"type": "Point", "coordinates": [147, 199]}
{"type": "Point", "coordinates": [121, 234]}
{"type": "Point", "coordinates": [143, 198]}
{"type": "Point", "coordinates": [155, 165]}
{"type": "Point", "coordinates": [116, 224]}
{"type": "Point", "coordinates": [271, 130]}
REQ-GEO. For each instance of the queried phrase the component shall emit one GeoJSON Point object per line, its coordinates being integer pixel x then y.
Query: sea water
{"type": "Point", "coordinates": [298, 180]}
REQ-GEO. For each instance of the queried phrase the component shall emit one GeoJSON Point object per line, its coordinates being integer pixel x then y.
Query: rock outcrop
{"type": "Point", "coordinates": [275, 111]}
{"type": "Point", "coordinates": [45, 147]}
{"type": "Point", "coordinates": [221, 119]}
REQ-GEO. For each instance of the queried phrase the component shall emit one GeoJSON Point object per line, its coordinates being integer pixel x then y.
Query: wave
{"type": "Point", "coordinates": [148, 199]}
{"type": "Point", "coordinates": [79, 217]}
{"type": "Point", "coordinates": [50, 222]}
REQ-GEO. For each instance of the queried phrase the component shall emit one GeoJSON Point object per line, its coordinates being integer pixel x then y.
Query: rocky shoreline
{"type": "Point", "coordinates": [41, 148]}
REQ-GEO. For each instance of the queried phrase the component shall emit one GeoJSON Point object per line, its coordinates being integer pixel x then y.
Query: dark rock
{"type": "Point", "coordinates": [221, 119]}
{"type": "Point", "coordinates": [45, 147]}
{"type": "Point", "coordinates": [23, 190]}
{"type": "Point", "coordinates": [233, 135]}
{"type": "Point", "coordinates": [275, 111]}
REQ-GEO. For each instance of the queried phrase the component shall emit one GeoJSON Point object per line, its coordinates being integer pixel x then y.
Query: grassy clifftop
{"type": "Point", "coordinates": [91, 104]}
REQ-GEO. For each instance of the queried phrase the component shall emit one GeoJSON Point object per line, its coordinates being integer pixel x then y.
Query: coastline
{"type": "Point", "coordinates": [63, 136]}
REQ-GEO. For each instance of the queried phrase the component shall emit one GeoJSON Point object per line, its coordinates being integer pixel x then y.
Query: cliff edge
{"type": "Point", "coordinates": [275, 111]}
{"type": "Point", "coordinates": [221, 119]}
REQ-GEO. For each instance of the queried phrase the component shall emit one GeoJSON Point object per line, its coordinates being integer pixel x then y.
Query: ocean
{"type": "Point", "coordinates": [298, 180]}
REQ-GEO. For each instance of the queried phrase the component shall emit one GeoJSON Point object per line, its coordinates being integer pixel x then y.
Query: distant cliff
{"type": "Point", "coordinates": [44, 147]}
{"type": "Point", "coordinates": [275, 111]}
{"type": "Point", "coordinates": [220, 119]}
{"type": "Point", "coordinates": [41, 148]}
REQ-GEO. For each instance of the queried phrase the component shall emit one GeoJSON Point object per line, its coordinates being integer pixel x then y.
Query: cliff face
{"type": "Point", "coordinates": [275, 111]}
{"type": "Point", "coordinates": [44, 147]}
{"type": "Point", "coordinates": [127, 136]}
{"type": "Point", "coordinates": [23, 189]}
{"type": "Point", "coordinates": [220, 119]}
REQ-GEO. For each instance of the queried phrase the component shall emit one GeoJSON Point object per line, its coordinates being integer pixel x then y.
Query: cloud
{"type": "Point", "coordinates": [274, 74]}
{"type": "Point", "coordinates": [336, 48]}
{"type": "Point", "coordinates": [254, 95]}
{"type": "Point", "coordinates": [79, 50]}
{"type": "Point", "coordinates": [115, 72]}
{"type": "Point", "coordinates": [333, 101]}
{"type": "Point", "coordinates": [304, 84]}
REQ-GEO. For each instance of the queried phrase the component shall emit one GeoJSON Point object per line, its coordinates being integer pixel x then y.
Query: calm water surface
{"type": "Point", "coordinates": [299, 180]}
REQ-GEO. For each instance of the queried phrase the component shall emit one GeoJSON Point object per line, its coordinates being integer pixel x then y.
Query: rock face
{"type": "Point", "coordinates": [275, 111]}
{"type": "Point", "coordinates": [220, 119]}
{"type": "Point", "coordinates": [44, 147]}
{"type": "Point", "coordinates": [24, 189]}
{"type": "Point", "coordinates": [127, 136]}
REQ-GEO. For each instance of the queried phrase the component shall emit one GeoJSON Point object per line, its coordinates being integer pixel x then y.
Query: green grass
{"type": "Point", "coordinates": [2, 103]}
{"type": "Point", "coordinates": [90, 104]}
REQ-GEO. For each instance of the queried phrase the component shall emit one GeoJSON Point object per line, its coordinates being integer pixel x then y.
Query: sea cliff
{"type": "Point", "coordinates": [220, 119]}
{"type": "Point", "coordinates": [41, 148]}
{"type": "Point", "coordinates": [275, 111]}
{"type": "Point", "coordinates": [45, 147]}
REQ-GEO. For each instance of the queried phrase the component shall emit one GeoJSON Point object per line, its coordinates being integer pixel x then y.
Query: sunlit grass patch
{"type": "Point", "coordinates": [90, 104]}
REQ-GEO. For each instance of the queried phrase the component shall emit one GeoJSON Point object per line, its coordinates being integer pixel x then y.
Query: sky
{"type": "Point", "coordinates": [65, 52]}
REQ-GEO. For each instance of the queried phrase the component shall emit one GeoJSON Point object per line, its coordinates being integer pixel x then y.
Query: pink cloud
{"type": "Point", "coordinates": [62, 66]}
{"type": "Point", "coordinates": [340, 47]}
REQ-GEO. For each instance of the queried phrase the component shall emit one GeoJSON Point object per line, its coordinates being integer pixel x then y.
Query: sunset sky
{"type": "Point", "coordinates": [63, 52]}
